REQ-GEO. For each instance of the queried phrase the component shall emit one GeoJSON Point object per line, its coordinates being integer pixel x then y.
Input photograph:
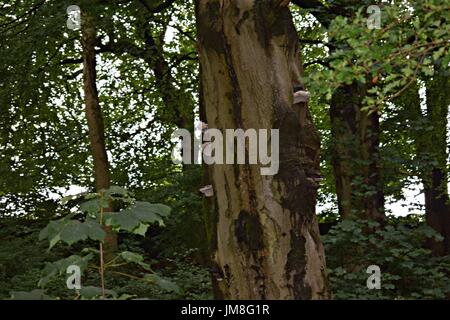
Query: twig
{"type": "Point", "coordinates": [102, 266]}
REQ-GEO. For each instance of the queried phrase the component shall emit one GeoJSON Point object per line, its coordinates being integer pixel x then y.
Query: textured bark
{"type": "Point", "coordinates": [266, 242]}
{"type": "Point", "coordinates": [95, 121]}
{"type": "Point", "coordinates": [355, 154]}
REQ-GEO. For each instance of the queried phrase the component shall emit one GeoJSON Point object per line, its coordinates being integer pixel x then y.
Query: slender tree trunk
{"type": "Point", "coordinates": [95, 121]}
{"type": "Point", "coordinates": [266, 237]}
{"type": "Point", "coordinates": [356, 159]}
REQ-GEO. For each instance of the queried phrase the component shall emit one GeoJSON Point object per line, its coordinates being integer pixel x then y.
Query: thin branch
{"type": "Point", "coordinates": [187, 56]}
{"type": "Point", "coordinates": [74, 75]}
{"type": "Point", "coordinates": [314, 41]}
{"type": "Point", "coordinates": [184, 33]}
{"type": "Point", "coordinates": [102, 266]}
{"type": "Point", "coordinates": [71, 61]}
{"type": "Point", "coordinates": [322, 13]}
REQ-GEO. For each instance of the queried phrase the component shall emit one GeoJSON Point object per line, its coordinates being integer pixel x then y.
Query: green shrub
{"type": "Point", "coordinates": [408, 270]}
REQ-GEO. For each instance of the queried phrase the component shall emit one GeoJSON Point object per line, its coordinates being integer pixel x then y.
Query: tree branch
{"type": "Point", "coordinates": [322, 13]}
{"type": "Point", "coordinates": [160, 7]}
{"type": "Point", "coordinates": [313, 41]}
{"type": "Point", "coordinates": [321, 62]}
{"type": "Point", "coordinates": [282, 3]}
{"type": "Point", "coordinates": [71, 61]}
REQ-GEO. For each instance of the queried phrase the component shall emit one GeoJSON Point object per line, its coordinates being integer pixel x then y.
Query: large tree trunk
{"type": "Point", "coordinates": [95, 121]}
{"type": "Point", "coordinates": [356, 159]}
{"type": "Point", "coordinates": [266, 237]}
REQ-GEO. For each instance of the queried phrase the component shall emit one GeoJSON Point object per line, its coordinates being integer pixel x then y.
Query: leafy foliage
{"type": "Point", "coordinates": [71, 231]}
{"type": "Point", "coordinates": [408, 271]}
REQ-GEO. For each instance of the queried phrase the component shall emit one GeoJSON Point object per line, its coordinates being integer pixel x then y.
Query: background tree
{"type": "Point", "coordinates": [425, 126]}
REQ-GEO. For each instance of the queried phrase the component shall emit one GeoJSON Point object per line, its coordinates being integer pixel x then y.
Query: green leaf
{"type": "Point", "coordinates": [157, 208]}
{"type": "Point", "coordinates": [125, 296]}
{"type": "Point", "coordinates": [437, 54]}
{"type": "Point", "coordinates": [430, 233]}
{"type": "Point", "coordinates": [91, 292]}
{"type": "Point", "coordinates": [149, 212]}
{"type": "Point", "coordinates": [53, 228]}
{"type": "Point", "coordinates": [162, 283]}
{"type": "Point", "coordinates": [36, 294]}
{"type": "Point", "coordinates": [54, 241]}
{"type": "Point", "coordinates": [71, 231]}
{"type": "Point", "coordinates": [66, 199]}
{"type": "Point", "coordinates": [131, 257]}
{"type": "Point", "coordinates": [95, 230]}
{"type": "Point", "coordinates": [141, 229]}
{"type": "Point", "coordinates": [116, 190]}
{"type": "Point", "coordinates": [122, 220]}
{"type": "Point", "coordinates": [372, 224]}
{"type": "Point", "coordinates": [92, 207]}
{"type": "Point", "coordinates": [74, 231]}
{"type": "Point", "coordinates": [347, 225]}
{"type": "Point", "coordinates": [135, 258]}
{"type": "Point", "coordinates": [59, 267]}
{"type": "Point", "coordinates": [90, 250]}
{"type": "Point", "coordinates": [146, 216]}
